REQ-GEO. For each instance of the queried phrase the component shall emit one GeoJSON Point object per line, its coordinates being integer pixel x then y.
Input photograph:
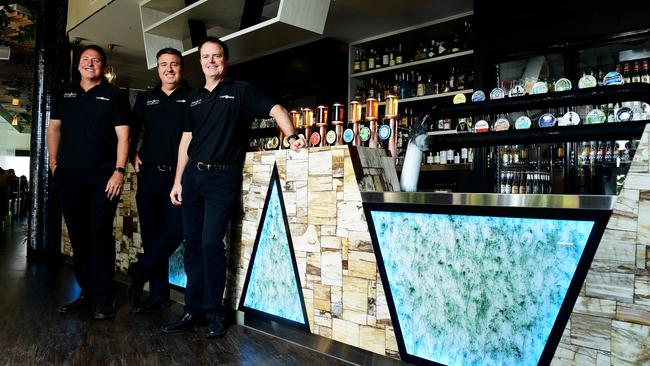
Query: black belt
{"type": "Point", "coordinates": [203, 167]}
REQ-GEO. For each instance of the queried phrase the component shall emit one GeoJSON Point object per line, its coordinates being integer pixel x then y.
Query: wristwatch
{"type": "Point", "coordinates": [294, 136]}
{"type": "Point", "coordinates": [120, 169]}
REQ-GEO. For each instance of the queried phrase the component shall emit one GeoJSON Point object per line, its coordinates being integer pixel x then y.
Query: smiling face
{"type": "Point", "coordinates": [169, 69]}
{"type": "Point", "coordinates": [91, 65]}
{"type": "Point", "coordinates": [213, 61]}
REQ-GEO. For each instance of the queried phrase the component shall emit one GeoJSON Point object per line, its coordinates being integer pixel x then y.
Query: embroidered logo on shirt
{"type": "Point", "coordinates": [226, 97]}
{"type": "Point", "coordinates": [195, 102]}
{"type": "Point", "coordinates": [102, 98]}
{"type": "Point", "coordinates": [153, 102]}
{"type": "Point", "coordinates": [70, 95]}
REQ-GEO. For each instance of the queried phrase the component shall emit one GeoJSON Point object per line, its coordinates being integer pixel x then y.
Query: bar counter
{"type": "Point", "coordinates": [316, 210]}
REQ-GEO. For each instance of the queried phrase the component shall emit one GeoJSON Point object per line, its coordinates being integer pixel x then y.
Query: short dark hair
{"type": "Point", "coordinates": [216, 40]}
{"type": "Point", "coordinates": [95, 48]}
{"type": "Point", "coordinates": [170, 51]}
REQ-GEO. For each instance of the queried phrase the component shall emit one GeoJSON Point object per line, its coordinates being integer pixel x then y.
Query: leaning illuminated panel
{"type": "Point", "coordinates": [177, 274]}
{"type": "Point", "coordinates": [478, 290]}
{"type": "Point", "coordinates": [273, 287]}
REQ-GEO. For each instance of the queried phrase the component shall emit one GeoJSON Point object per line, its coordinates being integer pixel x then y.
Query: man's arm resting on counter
{"type": "Point", "coordinates": [283, 120]}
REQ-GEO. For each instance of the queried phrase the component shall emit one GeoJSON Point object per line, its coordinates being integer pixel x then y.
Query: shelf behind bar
{"type": "Point", "coordinates": [427, 97]}
{"type": "Point", "coordinates": [596, 95]}
{"type": "Point", "coordinates": [440, 167]}
{"type": "Point", "coordinates": [450, 56]}
{"type": "Point", "coordinates": [600, 132]}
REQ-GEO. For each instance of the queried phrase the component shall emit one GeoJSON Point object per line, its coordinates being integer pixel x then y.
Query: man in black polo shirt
{"type": "Point", "coordinates": [210, 160]}
{"type": "Point", "coordinates": [162, 113]}
{"type": "Point", "coordinates": [88, 145]}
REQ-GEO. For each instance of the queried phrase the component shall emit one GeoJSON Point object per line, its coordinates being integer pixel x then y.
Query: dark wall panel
{"type": "Point", "coordinates": [311, 74]}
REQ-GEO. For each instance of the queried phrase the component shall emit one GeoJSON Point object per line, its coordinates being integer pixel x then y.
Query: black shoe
{"type": "Point", "coordinates": [135, 289]}
{"type": "Point", "coordinates": [216, 327]}
{"type": "Point", "coordinates": [185, 322]}
{"type": "Point", "coordinates": [82, 303]}
{"type": "Point", "coordinates": [153, 304]}
{"type": "Point", "coordinates": [104, 312]}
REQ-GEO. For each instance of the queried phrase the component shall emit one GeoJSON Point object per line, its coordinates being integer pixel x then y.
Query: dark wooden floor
{"type": "Point", "coordinates": [33, 333]}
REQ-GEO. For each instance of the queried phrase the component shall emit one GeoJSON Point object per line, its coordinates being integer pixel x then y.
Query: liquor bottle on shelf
{"type": "Point", "coordinates": [515, 183]}
{"type": "Point", "coordinates": [399, 57]}
{"type": "Point", "coordinates": [395, 87]}
{"type": "Point", "coordinates": [385, 60]}
{"type": "Point", "coordinates": [420, 90]}
{"type": "Point", "coordinates": [522, 183]}
{"type": "Point", "coordinates": [420, 53]}
{"type": "Point", "coordinates": [429, 86]}
{"type": "Point", "coordinates": [364, 63]}
{"type": "Point", "coordinates": [645, 73]}
{"type": "Point", "coordinates": [371, 59]}
{"type": "Point", "coordinates": [442, 48]}
{"type": "Point", "coordinates": [636, 73]}
{"type": "Point", "coordinates": [627, 77]}
{"type": "Point", "coordinates": [433, 49]}
{"type": "Point", "coordinates": [404, 86]}
{"type": "Point", "coordinates": [356, 66]}
{"type": "Point", "coordinates": [608, 152]}
{"type": "Point", "coordinates": [464, 155]}
{"type": "Point", "coordinates": [452, 79]}
{"type": "Point", "coordinates": [378, 64]}
{"type": "Point", "coordinates": [455, 43]}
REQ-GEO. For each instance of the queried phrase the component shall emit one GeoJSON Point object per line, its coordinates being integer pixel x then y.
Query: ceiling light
{"type": "Point", "coordinates": [14, 121]}
{"type": "Point", "coordinates": [109, 72]}
{"type": "Point", "coordinates": [15, 101]}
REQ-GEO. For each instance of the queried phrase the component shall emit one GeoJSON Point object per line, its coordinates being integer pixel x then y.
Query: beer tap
{"type": "Point", "coordinates": [337, 121]}
{"type": "Point", "coordinates": [355, 118]}
{"type": "Point", "coordinates": [391, 115]}
{"type": "Point", "coordinates": [372, 109]}
{"type": "Point", "coordinates": [308, 121]}
{"type": "Point", "coordinates": [321, 121]}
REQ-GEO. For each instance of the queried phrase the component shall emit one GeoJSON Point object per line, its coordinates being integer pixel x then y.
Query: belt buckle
{"type": "Point", "coordinates": [163, 168]}
{"type": "Point", "coordinates": [201, 166]}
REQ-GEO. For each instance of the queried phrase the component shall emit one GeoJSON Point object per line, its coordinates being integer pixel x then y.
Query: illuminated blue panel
{"type": "Point", "coordinates": [177, 274]}
{"type": "Point", "coordinates": [475, 290]}
{"type": "Point", "coordinates": [273, 287]}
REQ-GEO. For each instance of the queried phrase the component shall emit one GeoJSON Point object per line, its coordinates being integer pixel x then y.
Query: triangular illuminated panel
{"type": "Point", "coordinates": [272, 287]}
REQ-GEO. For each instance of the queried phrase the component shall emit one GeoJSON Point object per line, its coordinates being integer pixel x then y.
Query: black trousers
{"type": "Point", "coordinates": [161, 227]}
{"type": "Point", "coordinates": [209, 198]}
{"type": "Point", "coordinates": [89, 217]}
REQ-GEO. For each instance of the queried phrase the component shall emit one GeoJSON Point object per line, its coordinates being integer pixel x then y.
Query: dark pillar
{"type": "Point", "coordinates": [51, 71]}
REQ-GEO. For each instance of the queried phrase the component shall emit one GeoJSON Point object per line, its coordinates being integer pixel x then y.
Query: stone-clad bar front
{"type": "Point", "coordinates": [322, 193]}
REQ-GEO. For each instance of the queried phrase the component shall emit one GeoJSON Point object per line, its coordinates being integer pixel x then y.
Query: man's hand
{"type": "Point", "coordinates": [114, 185]}
{"type": "Point", "coordinates": [175, 194]}
{"type": "Point", "coordinates": [298, 144]}
{"type": "Point", "coordinates": [53, 164]}
{"type": "Point", "coordinates": [137, 162]}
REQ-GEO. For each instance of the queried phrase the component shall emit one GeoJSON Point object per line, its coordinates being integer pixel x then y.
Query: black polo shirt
{"type": "Point", "coordinates": [163, 118]}
{"type": "Point", "coordinates": [220, 120]}
{"type": "Point", "coordinates": [88, 121]}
